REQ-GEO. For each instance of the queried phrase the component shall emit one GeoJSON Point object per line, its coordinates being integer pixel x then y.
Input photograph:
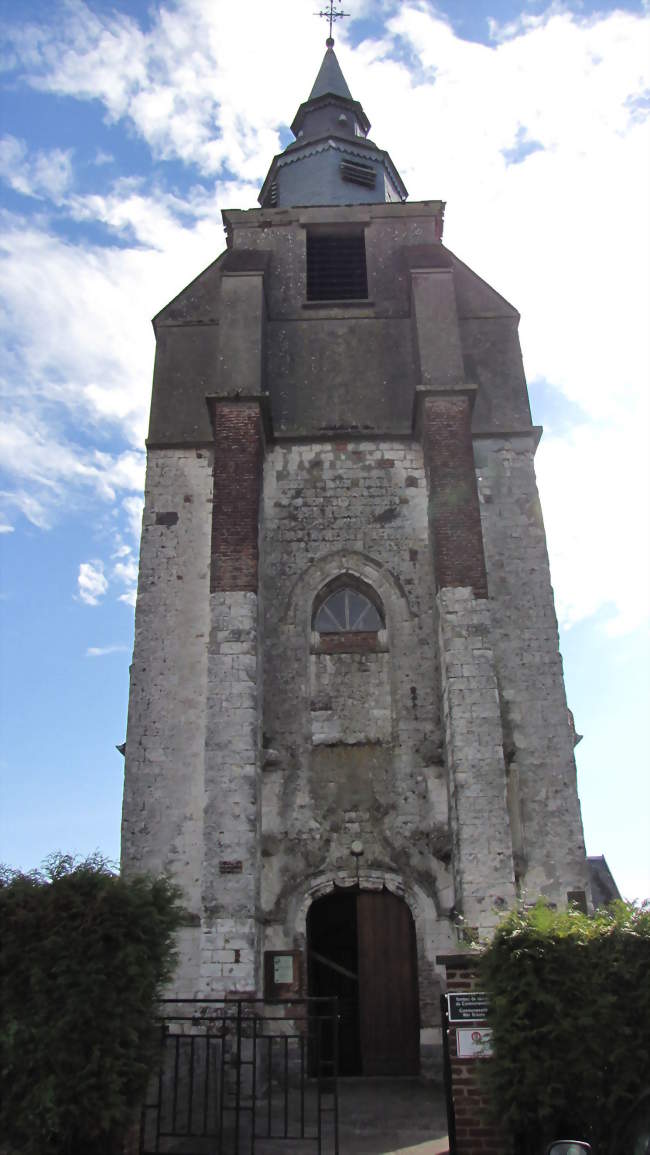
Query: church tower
{"type": "Point", "coordinates": [348, 737]}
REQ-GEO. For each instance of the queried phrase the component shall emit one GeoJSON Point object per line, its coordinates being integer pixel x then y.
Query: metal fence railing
{"type": "Point", "coordinates": [238, 1073]}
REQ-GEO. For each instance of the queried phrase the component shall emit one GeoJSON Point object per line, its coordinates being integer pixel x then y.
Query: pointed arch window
{"type": "Point", "coordinates": [348, 616]}
{"type": "Point", "coordinates": [347, 610]}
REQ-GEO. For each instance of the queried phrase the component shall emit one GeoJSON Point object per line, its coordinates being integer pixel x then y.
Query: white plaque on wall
{"type": "Point", "coordinates": [473, 1042]}
{"type": "Point", "coordinates": [283, 968]}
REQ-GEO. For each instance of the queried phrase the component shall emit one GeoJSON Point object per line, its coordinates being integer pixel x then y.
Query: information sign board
{"type": "Point", "coordinates": [282, 974]}
{"type": "Point", "coordinates": [283, 968]}
{"type": "Point", "coordinates": [467, 1006]}
{"type": "Point", "coordinates": [473, 1042]}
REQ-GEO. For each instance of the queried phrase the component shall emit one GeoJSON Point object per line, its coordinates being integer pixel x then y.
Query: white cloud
{"type": "Point", "coordinates": [102, 651]}
{"type": "Point", "coordinates": [56, 471]}
{"type": "Point", "coordinates": [102, 157]}
{"type": "Point", "coordinates": [27, 504]}
{"type": "Point", "coordinates": [47, 173]}
{"type": "Point", "coordinates": [551, 233]}
{"type": "Point", "coordinates": [564, 235]}
{"type": "Point", "coordinates": [593, 483]}
{"type": "Point", "coordinates": [91, 582]}
{"type": "Point", "coordinates": [94, 581]}
{"type": "Point", "coordinates": [133, 507]}
{"type": "Point", "coordinates": [5, 528]}
{"type": "Point", "coordinates": [126, 572]}
{"type": "Point", "coordinates": [194, 85]}
{"type": "Point", "coordinates": [561, 233]}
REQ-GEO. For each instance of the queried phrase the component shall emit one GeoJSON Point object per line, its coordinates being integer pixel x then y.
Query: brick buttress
{"type": "Point", "coordinates": [231, 867]}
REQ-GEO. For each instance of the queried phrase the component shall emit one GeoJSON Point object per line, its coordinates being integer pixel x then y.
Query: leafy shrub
{"type": "Point", "coordinates": [570, 1013]}
{"type": "Point", "coordinates": [82, 956]}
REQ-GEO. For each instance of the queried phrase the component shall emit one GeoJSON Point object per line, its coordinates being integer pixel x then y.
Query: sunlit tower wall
{"type": "Point", "coordinates": [346, 670]}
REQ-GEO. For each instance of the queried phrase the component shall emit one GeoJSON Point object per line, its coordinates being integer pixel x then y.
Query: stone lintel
{"type": "Point", "coordinates": [263, 400]}
{"type": "Point", "coordinates": [463, 389]}
{"type": "Point", "coordinates": [458, 961]}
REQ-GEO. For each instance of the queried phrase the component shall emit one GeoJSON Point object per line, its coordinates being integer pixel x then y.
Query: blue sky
{"type": "Point", "coordinates": [124, 129]}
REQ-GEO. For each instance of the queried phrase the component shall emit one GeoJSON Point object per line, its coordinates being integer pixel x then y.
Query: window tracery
{"type": "Point", "coordinates": [347, 610]}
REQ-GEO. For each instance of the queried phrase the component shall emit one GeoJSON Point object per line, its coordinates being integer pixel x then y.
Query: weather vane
{"type": "Point", "coordinates": [332, 14]}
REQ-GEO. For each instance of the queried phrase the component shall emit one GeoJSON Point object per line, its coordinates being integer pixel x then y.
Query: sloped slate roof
{"type": "Point", "coordinates": [603, 887]}
{"type": "Point", "coordinates": [330, 79]}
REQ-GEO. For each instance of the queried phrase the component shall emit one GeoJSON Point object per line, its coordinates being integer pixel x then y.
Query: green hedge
{"type": "Point", "coordinates": [570, 1014]}
{"type": "Point", "coordinates": [83, 954]}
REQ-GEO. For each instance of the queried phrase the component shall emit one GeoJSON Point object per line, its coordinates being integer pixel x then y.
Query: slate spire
{"type": "Point", "coordinates": [330, 79]}
{"type": "Point", "coordinates": [331, 161]}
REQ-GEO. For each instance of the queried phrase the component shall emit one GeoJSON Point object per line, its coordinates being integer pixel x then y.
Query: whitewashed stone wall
{"type": "Point", "coordinates": [482, 844]}
{"type": "Point", "coordinates": [354, 745]}
{"type": "Point", "coordinates": [538, 741]}
{"type": "Point", "coordinates": [350, 698]}
{"type": "Point", "coordinates": [192, 756]}
{"type": "Point", "coordinates": [231, 851]}
{"type": "Point", "coordinates": [368, 767]}
{"type": "Point", "coordinates": [163, 800]}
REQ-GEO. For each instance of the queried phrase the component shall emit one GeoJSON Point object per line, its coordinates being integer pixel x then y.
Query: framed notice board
{"type": "Point", "coordinates": [467, 1006]}
{"type": "Point", "coordinates": [282, 974]}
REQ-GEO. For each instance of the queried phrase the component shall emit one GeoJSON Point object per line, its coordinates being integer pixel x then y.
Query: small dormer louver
{"type": "Point", "coordinates": [357, 173]}
{"type": "Point", "coordinates": [271, 198]}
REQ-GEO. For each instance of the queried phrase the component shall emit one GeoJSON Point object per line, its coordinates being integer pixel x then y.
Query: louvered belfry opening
{"type": "Point", "coordinates": [358, 173]}
{"type": "Point", "coordinates": [336, 266]}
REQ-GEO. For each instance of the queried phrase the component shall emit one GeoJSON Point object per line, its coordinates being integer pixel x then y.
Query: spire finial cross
{"type": "Point", "coordinates": [332, 14]}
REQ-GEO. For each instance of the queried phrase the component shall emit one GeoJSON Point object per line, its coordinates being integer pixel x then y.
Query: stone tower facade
{"type": "Point", "coordinates": [346, 678]}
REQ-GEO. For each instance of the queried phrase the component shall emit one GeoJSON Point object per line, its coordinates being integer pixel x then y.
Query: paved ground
{"type": "Point", "coordinates": [376, 1117]}
{"type": "Point", "coordinates": [382, 1117]}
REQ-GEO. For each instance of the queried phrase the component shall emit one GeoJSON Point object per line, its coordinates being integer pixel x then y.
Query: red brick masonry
{"type": "Point", "coordinates": [453, 497]}
{"type": "Point", "coordinates": [238, 454]}
{"type": "Point", "coordinates": [476, 1133]}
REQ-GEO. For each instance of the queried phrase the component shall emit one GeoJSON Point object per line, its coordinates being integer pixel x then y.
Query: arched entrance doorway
{"type": "Point", "coordinates": [361, 948]}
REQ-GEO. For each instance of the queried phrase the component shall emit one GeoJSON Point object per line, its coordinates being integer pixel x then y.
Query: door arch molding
{"type": "Point", "coordinates": [361, 950]}
{"type": "Point", "coordinates": [349, 880]}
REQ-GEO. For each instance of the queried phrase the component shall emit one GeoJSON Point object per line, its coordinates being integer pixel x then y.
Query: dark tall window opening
{"type": "Point", "coordinates": [336, 266]}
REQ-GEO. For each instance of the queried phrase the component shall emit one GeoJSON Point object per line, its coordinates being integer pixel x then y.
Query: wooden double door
{"type": "Point", "coordinates": [361, 948]}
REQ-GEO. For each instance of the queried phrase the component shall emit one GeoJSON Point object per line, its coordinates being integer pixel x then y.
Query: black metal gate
{"type": "Point", "coordinates": [234, 1079]}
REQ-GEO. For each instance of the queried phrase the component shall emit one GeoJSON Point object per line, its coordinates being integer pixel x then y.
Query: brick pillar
{"type": "Point", "coordinates": [476, 1131]}
{"type": "Point", "coordinates": [231, 867]}
{"type": "Point", "coordinates": [446, 432]}
{"type": "Point", "coordinates": [238, 454]}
